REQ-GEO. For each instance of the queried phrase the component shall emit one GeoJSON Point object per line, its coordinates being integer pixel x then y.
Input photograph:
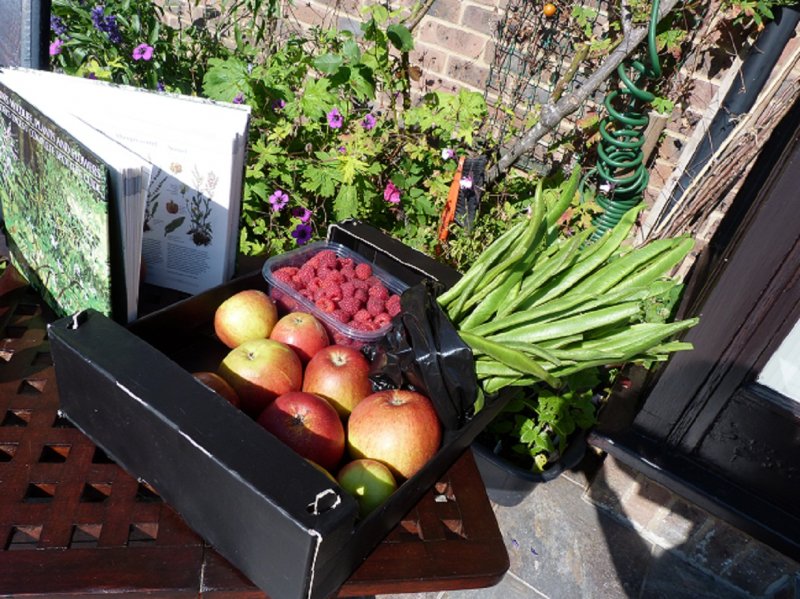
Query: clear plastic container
{"type": "Point", "coordinates": [289, 299]}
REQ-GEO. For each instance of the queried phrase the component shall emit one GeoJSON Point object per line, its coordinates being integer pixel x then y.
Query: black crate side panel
{"type": "Point", "coordinates": [220, 479]}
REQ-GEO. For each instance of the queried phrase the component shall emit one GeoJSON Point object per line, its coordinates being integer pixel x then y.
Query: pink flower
{"type": "Point", "coordinates": [143, 52]}
{"type": "Point", "coordinates": [391, 194]}
{"type": "Point", "coordinates": [55, 47]}
{"type": "Point", "coordinates": [368, 122]}
{"type": "Point", "coordinates": [335, 119]}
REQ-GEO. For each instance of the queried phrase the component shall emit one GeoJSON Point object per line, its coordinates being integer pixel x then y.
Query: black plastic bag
{"type": "Point", "coordinates": [423, 350]}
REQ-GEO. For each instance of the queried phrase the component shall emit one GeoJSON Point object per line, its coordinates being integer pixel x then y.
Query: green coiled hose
{"type": "Point", "coordinates": [621, 172]}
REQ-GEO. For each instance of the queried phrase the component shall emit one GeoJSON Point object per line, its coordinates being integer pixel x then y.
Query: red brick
{"type": "Point", "coordinates": [466, 44]}
{"type": "Point", "coordinates": [306, 13]}
{"type": "Point", "coordinates": [468, 72]}
{"type": "Point", "coordinates": [670, 148]}
{"type": "Point", "coordinates": [447, 10]}
{"type": "Point", "coordinates": [480, 19]}
{"type": "Point", "coordinates": [428, 58]}
{"type": "Point", "coordinates": [660, 173]}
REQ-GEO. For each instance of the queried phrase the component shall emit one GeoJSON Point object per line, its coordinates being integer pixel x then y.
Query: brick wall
{"type": "Point", "coordinates": [453, 42]}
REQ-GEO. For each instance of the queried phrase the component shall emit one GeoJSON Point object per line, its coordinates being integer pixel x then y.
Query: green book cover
{"type": "Point", "coordinates": [54, 195]}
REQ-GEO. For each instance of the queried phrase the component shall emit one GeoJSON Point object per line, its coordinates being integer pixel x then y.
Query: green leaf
{"type": "Point", "coordinates": [316, 99]}
{"type": "Point", "coordinates": [173, 225]}
{"type": "Point", "coordinates": [362, 82]}
{"type": "Point", "coordinates": [351, 51]}
{"type": "Point", "coordinates": [225, 78]}
{"type": "Point", "coordinates": [400, 37]}
{"type": "Point", "coordinates": [346, 203]}
{"type": "Point", "coordinates": [328, 63]}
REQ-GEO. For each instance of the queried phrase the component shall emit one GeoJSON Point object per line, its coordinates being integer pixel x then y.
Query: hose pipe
{"type": "Point", "coordinates": [620, 170]}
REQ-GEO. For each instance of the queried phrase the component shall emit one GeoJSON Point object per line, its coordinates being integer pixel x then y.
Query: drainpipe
{"type": "Point", "coordinates": [741, 96]}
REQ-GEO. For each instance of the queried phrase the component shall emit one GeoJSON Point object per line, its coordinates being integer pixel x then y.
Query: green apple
{"type": "Point", "coordinates": [246, 315]}
{"type": "Point", "coordinates": [369, 481]}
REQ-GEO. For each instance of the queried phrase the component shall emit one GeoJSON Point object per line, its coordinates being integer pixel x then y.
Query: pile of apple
{"type": "Point", "coordinates": [317, 398]}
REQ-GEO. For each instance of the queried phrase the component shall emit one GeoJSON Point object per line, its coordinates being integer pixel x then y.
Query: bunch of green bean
{"type": "Point", "coordinates": [536, 306]}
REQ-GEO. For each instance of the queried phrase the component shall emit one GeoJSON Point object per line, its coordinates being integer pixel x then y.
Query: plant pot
{"type": "Point", "coordinates": [508, 484]}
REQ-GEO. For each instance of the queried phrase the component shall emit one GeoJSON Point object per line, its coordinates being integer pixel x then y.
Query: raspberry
{"type": "Point", "coordinates": [350, 305]}
{"type": "Point", "coordinates": [374, 281]}
{"type": "Point", "coordinates": [284, 274]}
{"type": "Point", "coordinates": [379, 291]}
{"type": "Point", "coordinates": [363, 325]}
{"type": "Point", "coordinates": [314, 284]}
{"type": "Point", "coordinates": [360, 295]}
{"type": "Point", "coordinates": [307, 294]}
{"type": "Point", "coordinates": [341, 316]}
{"type": "Point", "coordinates": [325, 273]}
{"type": "Point", "coordinates": [375, 306]}
{"type": "Point", "coordinates": [348, 272]}
{"type": "Point", "coordinates": [363, 271]}
{"type": "Point", "coordinates": [382, 320]}
{"type": "Point", "coordinates": [332, 290]}
{"type": "Point", "coordinates": [362, 316]}
{"type": "Point", "coordinates": [345, 263]}
{"type": "Point", "coordinates": [359, 284]}
{"type": "Point", "coordinates": [327, 259]}
{"type": "Point", "coordinates": [313, 261]}
{"type": "Point", "coordinates": [393, 305]}
{"type": "Point", "coordinates": [317, 293]}
{"type": "Point", "coordinates": [325, 304]}
{"type": "Point", "coordinates": [348, 289]}
{"type": "Point", "coordinates": [306, 273]}
{"type": "Point", "coordinates": [342, 339]}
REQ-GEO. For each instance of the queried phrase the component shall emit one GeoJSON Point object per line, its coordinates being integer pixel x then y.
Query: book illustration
{"type": "Point", "coordinates": [54, 198]}
{"type": "Point", "coordinates": [194, 201]}
{"type": "Point", "coordinates": [200, 205]}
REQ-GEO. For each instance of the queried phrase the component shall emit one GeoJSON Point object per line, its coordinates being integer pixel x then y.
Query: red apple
{"type": "Point", "coordinates": [246, 315]}
{"type": "Point", "coordinates": [397, 427]}
{"type": "Point", "coordinates": [369, 481]}
{"type": "Point", "coordinates": [309, 425]}
{"type": "Point", "coordinates": [260, 370]}
{"type": "Point", "coordinates": [220, 385]}
{"type": "Point", "coordinates": [302, 332]}
{"type": "Point", "coordinates": [339, 374]}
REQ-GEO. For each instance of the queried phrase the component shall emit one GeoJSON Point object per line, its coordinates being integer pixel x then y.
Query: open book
{"type": "Point", "coordinates": [96, 178]}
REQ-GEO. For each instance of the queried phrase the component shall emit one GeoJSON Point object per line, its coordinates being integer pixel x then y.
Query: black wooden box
{"type": "Point", "coordinates": [263, 507]}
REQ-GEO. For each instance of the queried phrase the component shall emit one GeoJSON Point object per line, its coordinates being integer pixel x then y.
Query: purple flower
{"type": "Point", "coordinates": [238, 98]}
{"type": "Point", "coordinates": [160, 86]}
{"type": "Point", "coordinates": [143, 52]}
{"type": "Point", "coordinates": [335, 119]}
{"type": "Point", "coordinates": [466, 182]}
{"type": "Point", "coordinates": [277, 105]}
{"type": "Point", "coordinates": [302, 233]}
{"type": "Point", "coordinates": [98, 17]}
{"type": "Point", "coordinates": [368, 122]}
{"type": "Point", "coordinates": [304, 214]}
{"type": "Point", "coordinates": [342, 150]}
{"type": "Point", "coordinates": [106, 24]}
{"type": "Point", "coordinates": [448, 154]}
{"type": "Point", "coordinates": [57, 25]}
{"type": "Point", "coordinates": [391, 194]}
{"type": "Point", "coordinates": [55, 47]}
{"type": "Point", "coordinates": [90, 75]}
{"type": "Point", "coordinates": [279, 199]}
